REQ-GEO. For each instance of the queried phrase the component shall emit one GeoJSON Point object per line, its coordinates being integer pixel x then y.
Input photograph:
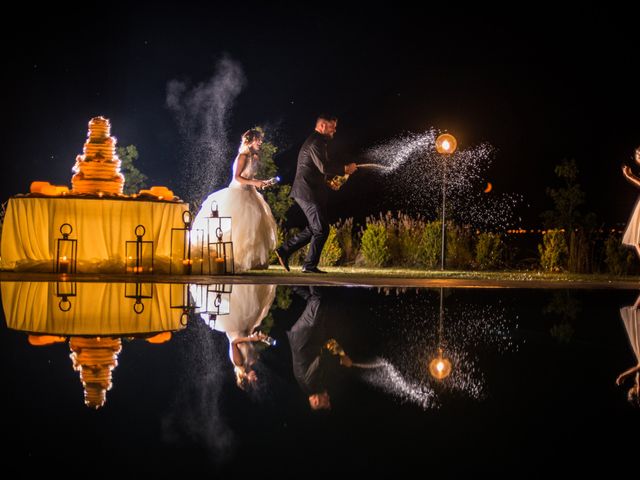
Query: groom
{"type": "Point", "coordinates": [310, 192]}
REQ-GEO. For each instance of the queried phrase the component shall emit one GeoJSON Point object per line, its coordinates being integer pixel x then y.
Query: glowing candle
{"type": "Point", "coordinates": [219, 265]}
{"type": "Point", "coordinates": [64, 265]}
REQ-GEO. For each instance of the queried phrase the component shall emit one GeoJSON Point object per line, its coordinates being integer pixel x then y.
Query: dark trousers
{"type": "Point", "coordinates": [316, 232]}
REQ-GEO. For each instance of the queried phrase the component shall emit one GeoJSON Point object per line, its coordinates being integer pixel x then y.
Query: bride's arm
{"type": "Point", "coordinates": [240, 164]}
{"type": "Point", "coordinates": [626, 171]}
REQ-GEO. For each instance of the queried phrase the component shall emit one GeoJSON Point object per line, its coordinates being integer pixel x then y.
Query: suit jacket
{"type": "Point", "coordinates": [313, 169]}
{"type": "Point", "coordinates": [313, 366]}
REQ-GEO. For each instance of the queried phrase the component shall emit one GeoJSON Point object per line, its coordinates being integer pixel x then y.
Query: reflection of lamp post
{"type": "Point", "coordinates": [440, 366]}
{"type": "Point", "coordinates": [445, 145]}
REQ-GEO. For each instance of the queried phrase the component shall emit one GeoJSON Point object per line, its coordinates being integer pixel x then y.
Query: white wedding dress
{"type": "Point", "coordinates": [253, 229]}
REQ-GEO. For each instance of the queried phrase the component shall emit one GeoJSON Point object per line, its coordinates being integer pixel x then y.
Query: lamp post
{"type": "Point", "coordinates": [445, 145]}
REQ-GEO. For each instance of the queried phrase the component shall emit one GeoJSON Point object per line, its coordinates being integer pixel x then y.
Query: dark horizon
{"type": "Point", "coordinates": [538, 94]}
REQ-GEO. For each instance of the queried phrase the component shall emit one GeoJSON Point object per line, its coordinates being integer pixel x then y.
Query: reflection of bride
{"type": "Point", "coordinates": [631, 318]}
{"type": "Point", "coordinates": [254, 228]}
{"type": "Point", "coordinates": [248, 305]}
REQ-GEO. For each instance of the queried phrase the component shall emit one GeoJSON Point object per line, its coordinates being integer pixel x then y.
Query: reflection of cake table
{"type": "Point", "coordinates": [92, 319]}
{"type": "Point", "coordinates": [100, 225]}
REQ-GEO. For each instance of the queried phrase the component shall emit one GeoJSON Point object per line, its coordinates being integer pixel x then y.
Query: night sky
{"type": "Point", "coordinates": [538, 87]}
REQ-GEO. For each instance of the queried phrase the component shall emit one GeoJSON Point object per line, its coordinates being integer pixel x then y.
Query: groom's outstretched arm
{"type": "Point", "coordinates": [320, 157]}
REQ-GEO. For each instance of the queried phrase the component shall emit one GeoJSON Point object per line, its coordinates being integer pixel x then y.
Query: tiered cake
{"type": "Point", "coordinates": [97, 170]}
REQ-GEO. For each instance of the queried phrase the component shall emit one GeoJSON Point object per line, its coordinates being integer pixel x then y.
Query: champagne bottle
{"type": "Point", "coordinates": [338, 181]}
{"type": "Point", "coordinates": [271, 182]}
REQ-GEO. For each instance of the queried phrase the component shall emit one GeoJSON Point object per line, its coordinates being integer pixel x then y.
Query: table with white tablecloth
{"type": "Point", "coordinates": [101, 227]}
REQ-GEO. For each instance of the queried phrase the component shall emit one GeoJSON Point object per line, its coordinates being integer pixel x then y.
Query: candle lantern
{"type": "Point", "coordinates": [139, 253]}
{"type": "Point", "coordinates": [220, 246]}
{"type": "Point", "coordinates": [187, 247]}
{"type": "Point", "coordinates": [138, 291]}
{"type": "Point", "coordinates": [66, 251]}
{"type": "Point", "coordinates": [217, 302]}
{"type": "Point", "coordinates": [64, 290]}
{"type": "Point", "coordinates": [180, 297]}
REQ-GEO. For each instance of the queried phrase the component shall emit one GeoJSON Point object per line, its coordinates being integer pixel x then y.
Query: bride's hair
{"type": "Point", "coordinates": [248, 138]}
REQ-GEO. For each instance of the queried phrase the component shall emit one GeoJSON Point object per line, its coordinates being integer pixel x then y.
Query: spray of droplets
{"type": "Point", "coordinates": [202, 112]}
{"type": "Point", "coordinates": [416, 174]}
{"type": "Point", "coordinates": [382, 374]}
{"type": "Point", "coordinates": [464, 332]}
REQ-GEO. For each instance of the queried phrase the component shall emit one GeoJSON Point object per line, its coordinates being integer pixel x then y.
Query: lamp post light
{"type": "Point", "coordinates": [446, 144]}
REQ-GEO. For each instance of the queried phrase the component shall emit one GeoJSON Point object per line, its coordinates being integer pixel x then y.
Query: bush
{"type": "Point", "coordinates": [331, 252]}
{"type": "Point", "coordinates": [344, 236]}
{"type": "Point", "coordinates": [579, 253]}
{"type": "Point", "coordinates": [375, 243]}
{"type": "Point", "coordinates": [553, 251]}
{"type": "Point", "coordinates": [458, 246]}
{"type": "Point", "coordinates": [617, 256]}
{"type": "Point", "coordinates": [431, 244]}
{"type": "Point", "coordinates": [489, 251]}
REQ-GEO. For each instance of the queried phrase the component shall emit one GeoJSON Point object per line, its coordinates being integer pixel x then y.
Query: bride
{"type": "Point", "coordinates": [254, 229]}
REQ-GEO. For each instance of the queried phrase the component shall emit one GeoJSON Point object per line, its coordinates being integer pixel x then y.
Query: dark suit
{"type": "Point", "coordinates": [310, 192]}
{"type": "Point", "coordinates": [312, 365]}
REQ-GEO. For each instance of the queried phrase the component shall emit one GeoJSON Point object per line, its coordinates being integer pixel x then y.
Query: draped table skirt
{"type": "Point", "coordinates": [100, 226]}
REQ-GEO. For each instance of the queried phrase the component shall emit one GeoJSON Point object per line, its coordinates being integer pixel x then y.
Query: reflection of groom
{"type": "Point", "coordinates": [315, 356]}
{"type": "Point", "coordinates": [310, 192]}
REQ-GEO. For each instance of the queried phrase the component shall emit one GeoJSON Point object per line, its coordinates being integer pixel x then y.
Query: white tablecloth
{"type": "Point", "coordinates": [101, 227]}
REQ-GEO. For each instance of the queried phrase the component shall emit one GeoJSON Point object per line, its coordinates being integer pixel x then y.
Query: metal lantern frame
{"type": "Point", "coordinates": [183, 238]}
{"type": "Point", "coordinates": [138, 291]}
{"type": "Point", "coordinates": [218, 248]}
{"type": "Point", "coordinates": [66, 251]}
{"type": "Point", "coordinates": [215, 304]}
{"type": "Point", "coordinates": [185, 303]}
{"type": "Point", "coordinates": [138, 259]}
{"type": "Point", "coordinates": [64, 290]}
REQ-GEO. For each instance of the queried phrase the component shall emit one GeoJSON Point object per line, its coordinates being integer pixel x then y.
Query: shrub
{"type": "Point", "coordinates": [331, 252]}
{"type": "Point", "coordinates": [375, 243]}
{"type": "Point", "coordinates": [617, 256]}
{"type": "Point", "coordinates": [489, 250]}
{"type": "Point", "coordinates": [458, 246]}
{"type": "Point", "coordinates": [344, 236]}
{"type": "Point", "coordinates": [553, 251]}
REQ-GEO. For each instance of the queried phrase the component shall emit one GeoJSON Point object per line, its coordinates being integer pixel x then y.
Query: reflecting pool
{"type": "Point", "coordinates": [233, 379]}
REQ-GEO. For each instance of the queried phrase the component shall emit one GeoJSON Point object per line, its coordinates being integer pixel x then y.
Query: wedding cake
{"type": "Point", "coordinates": [95, 358]}
{"type": "Point", "coordinates": [97, 170]}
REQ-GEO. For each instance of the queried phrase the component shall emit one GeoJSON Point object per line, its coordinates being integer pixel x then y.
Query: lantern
{"type": "Point", "coordinates": [139, 253]}
{"type": "Point", "coordinates": [66, 251]}
{"type": "Point", "coordinates": [64, 290]}
{"type": "Point", "coordinates": [220, 251]}
{"type": "Point", "coordinates": [187, 247]}
{"type": "Point", "coordinates": [138, 291]}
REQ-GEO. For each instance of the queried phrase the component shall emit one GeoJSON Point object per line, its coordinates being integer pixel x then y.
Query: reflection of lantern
{"type": "Point", "coordinates": [217, 301]}
{"type": "Point", "coordinates": [138, 291]}
{"type": "Point", "coordinates": [66, 251]}
{"type": "Point", "coordinates": [180, 297]}
{"type": "Point", "coordinates": [187, 247]}
{"type": "Point", "coordinates": [139, 253]}
{"type": "Point", "coordinates": [214, 209]}
{"type": "Point", "coordinates": [64, 290]}
{"type": "Point", "coordinates": [220, 252]}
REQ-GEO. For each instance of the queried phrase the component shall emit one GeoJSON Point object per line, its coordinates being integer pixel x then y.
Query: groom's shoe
{"type": "Point", "coordinates": [283, 259]}
{"type": "Point", "coordinates": [312, 270]}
